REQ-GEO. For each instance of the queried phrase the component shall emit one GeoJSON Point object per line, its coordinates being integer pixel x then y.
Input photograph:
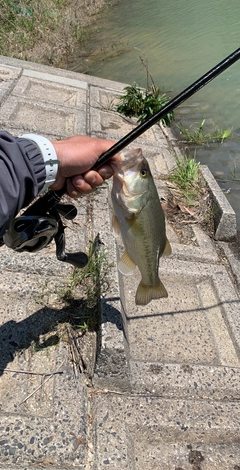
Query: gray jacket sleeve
{"type": "Point", "coordinates": [22, 176]}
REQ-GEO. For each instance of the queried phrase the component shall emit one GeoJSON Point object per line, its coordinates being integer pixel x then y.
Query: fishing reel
{"type": "Point", "coordinates": [40, 224]}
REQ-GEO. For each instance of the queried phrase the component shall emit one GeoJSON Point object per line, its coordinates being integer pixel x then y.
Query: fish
{"type": "Point", "coordinates": [139, 218]}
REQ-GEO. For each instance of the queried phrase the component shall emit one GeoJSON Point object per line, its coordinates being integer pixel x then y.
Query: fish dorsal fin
{"type": "Point", "coordinates": [126, 266]}
{"type": "Point", "coordinates": [115, 225]}
{"type": "Point", "coordinates": [167, 250]}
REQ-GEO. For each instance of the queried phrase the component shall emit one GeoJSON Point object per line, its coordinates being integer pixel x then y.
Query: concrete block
{"type": "Point", "coordinates": [38, 421]}
{"type": "Point", "coordinates": [48, 77]}
{"type": "Point", "coordinates": [57, 438]}
{"type": "Point", "coordinates": [44, 417]}
{"type": "Point", "coordinates": [224, 215]}
{"type": "Point", "coordinates": [111, 367]}
{"type": "Point", "coordinates": [51, 92]}
{"type": "Point", "coordinates": [104, 121]}
{"type": "Point", "coordinates": [30, 68]}
{"type": "Point", "coordinates": [8, 78]}
{"type": "Point", "coordinates": [197, 323]}
{"type": "Point", "coordinates": [112, 334]}
{"type": "Point", "coordinates": [164, 434]}
{"type": "Point", "coordinates": [202, 248]}
{"type": "Point", "coordinates": [232, 253]}
{"type": "Point", "coordinates": [43, 118]}
{"type": "Point", "coordinates": [185, 380]}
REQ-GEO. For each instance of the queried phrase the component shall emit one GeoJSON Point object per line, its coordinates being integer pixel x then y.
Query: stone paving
{"type": "Point", "coordinates": [163, 392]}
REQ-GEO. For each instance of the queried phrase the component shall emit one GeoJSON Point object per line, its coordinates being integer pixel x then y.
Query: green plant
{"type": "Point", "coordinates": [225, 134]}
{"type": "Point", "coordinates": [144, 103]}
{"type": "Point", "coordinates": [84, 326]}
{"type": "Point", "coordinates": [140, 103]}
{"type": "Point", "coordinates": [186, 175]}
{"type": "Point", "coordinates": [234, 175]}
{"type": "Point", "coordinates": [92, 280]}
{"type": "Point", "coordinates": [94, 267]}
{"type": "Point", "coordinates": [198, 136]}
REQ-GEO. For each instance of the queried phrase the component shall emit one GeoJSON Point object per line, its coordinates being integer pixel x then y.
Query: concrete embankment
{"type": "Point", "coordinates": [164, 391]}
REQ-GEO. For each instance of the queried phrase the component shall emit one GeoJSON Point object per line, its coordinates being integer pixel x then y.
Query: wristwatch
{"type": "Point", "coordinates": [49, 156]}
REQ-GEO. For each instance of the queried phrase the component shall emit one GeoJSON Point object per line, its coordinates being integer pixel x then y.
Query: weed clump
{"type": "Point", "coordinates": [144, 103]}
{"type": "Point", "coordinates": [140, 103]}
{"type": "Point", "coordinates": [189, 200]}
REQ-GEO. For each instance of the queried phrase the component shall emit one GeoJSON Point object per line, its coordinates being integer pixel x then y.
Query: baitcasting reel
{"type": "Point", "coordinates": [40, 224]}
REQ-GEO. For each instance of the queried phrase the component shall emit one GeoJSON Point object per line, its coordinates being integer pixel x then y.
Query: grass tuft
{"type": "Point", "coordinates": [187, 176]}
{"type": "Point", "coordinates": [92, 282]}
{"type": "Point", "coordinates": [197, 135]}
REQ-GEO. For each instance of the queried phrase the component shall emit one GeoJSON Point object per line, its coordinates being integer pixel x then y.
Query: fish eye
{"type": "Point", "coordinates": [144, 172]}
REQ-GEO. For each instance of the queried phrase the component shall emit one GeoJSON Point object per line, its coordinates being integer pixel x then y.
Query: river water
{"type": "Point", "coordinates": [180, 41]}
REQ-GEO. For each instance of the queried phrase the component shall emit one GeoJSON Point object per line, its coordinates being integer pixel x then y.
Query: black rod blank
{"type": "Point", "coordinates": [183, 96]}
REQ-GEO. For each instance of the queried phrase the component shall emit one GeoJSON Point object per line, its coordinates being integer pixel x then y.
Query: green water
{"type": "Point", "coordinates": [181, 40]}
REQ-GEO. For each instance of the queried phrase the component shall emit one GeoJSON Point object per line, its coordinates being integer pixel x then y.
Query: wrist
{"type": "Point", "coordinates": [49, 155]}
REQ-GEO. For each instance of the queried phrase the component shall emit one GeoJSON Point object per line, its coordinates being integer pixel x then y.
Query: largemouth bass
{"type": "Point", "coordinates": [139, 218]}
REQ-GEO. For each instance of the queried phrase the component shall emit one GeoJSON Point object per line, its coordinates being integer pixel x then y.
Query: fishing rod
{"type": "Point", "coordinates": [183, 96]}
{"type": "Point", "coordinates": [41, 222]}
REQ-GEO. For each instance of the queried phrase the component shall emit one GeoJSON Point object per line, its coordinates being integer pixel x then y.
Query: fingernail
{"type": "Point", "coordinates": [107, 175]}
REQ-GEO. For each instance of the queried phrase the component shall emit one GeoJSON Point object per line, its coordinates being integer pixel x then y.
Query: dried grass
{"type": "Point", "coordinates": [45, 31]}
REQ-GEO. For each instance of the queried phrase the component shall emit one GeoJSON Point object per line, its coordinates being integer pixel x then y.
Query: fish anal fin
{"type": "Point", "coordinates": [145, 293]}
{"type": "Point", "coordinates": [126, 266]}
{"type": "Point", "coordinates": [167, 250]}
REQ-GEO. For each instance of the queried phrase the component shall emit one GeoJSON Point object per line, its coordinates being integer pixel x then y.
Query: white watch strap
{"type": "Point", "coordinates": [49, 156]}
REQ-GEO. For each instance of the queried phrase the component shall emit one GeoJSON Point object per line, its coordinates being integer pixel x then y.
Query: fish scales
{"type": "Point", "coordinates": [139, 218]}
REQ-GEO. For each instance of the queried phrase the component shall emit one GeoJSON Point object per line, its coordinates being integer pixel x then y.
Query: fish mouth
{"type": "Point", "coordinates": [130, 160]}
{"type": "Point", "coordinates": [125, 171]}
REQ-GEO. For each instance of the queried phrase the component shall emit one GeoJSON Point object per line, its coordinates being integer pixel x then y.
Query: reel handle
{"type": "Point", "coordinates": [77, 259]}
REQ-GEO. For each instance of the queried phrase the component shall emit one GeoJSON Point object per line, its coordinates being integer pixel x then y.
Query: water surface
{"type": "Point", "coordinates": [181, 41]}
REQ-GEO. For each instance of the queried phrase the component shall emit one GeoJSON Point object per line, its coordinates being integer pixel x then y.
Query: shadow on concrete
{"type": "Point", "coordinates": [177, 312]}
{"type": "Point", "coordinates": [110, 313]}
{"type": "Point", "coordinates": [17, 336]}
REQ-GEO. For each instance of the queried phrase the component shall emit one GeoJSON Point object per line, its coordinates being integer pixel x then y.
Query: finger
{"type": "Point", "coordinates": [81, 188]}
{"type": "Point", "coordinates": [106, 171]}
{"type": "Point", "coordinates": [93, 178]}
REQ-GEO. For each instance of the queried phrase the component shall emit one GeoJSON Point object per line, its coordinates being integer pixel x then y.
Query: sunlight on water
{"type": "Point", "coordinates": [182, 41]}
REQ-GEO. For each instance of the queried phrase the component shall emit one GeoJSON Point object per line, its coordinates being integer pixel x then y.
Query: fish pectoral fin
{"type": "Point", "coordinates": [115, 225]}
{"type": "Point", "coordinates": [167, 250]}
{"type": "Point", "coordinates": [126, 266]}
{"type": "Point", "coordinates": [145, 293]}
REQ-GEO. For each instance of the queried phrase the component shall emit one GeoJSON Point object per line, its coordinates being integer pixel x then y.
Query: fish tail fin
{"type": "Point", "coordinates": [145, 293]}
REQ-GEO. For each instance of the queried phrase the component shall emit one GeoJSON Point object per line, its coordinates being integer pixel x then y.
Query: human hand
{"type": "Point", "coordinates": [77, 155]}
